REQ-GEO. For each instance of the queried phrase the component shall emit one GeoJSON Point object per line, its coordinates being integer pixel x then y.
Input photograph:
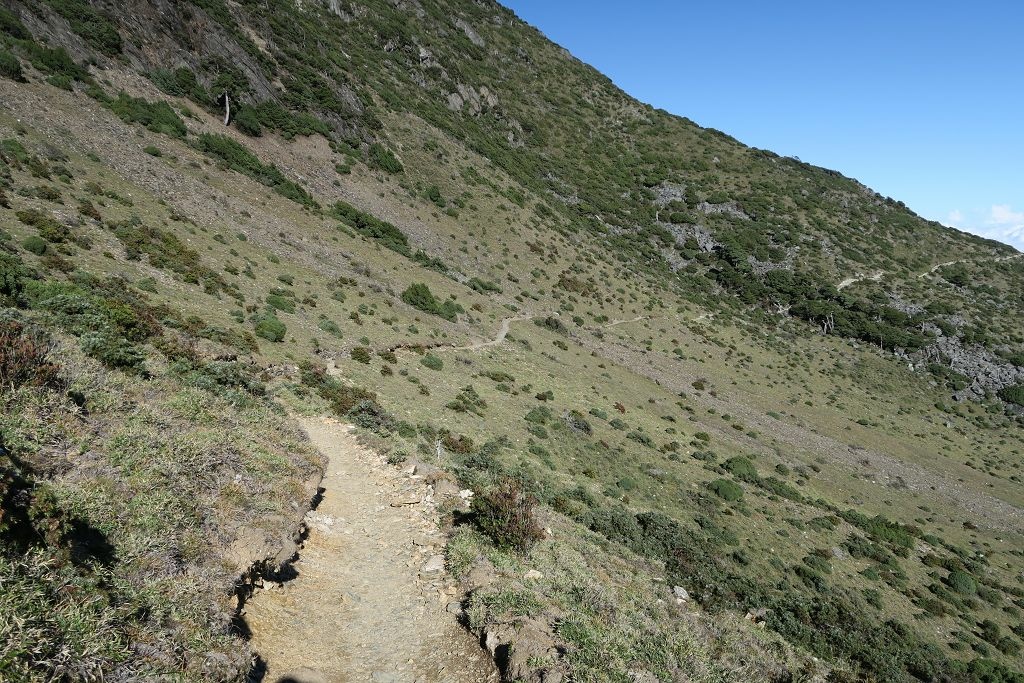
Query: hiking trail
{"type": "Point", "coordinates": [370, 600]}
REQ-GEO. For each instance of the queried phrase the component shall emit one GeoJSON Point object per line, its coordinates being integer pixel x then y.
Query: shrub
{"type": "Point", "coordinates": [457, 443]}
{"type": "Point", "coordinates": [539, 415]}
{"type": "Point", "coordinates": [341, 397]}
{"type": "Point", "coordinates": [329, 326]}
{"type": "Point", "coordinates": [12, 270]}
{"type": "Point", "coordinates": [158, 117]}
{"type": "Point", "coordinates": [641, 438]}
{"type": "Point", "coordinates": [35, 244]}
{"type": "Point", "coordinates": [726, 490]}
{"type": "Point", "coordinates": [113, 350]}
{"type": "Point", "coordinates": [269, 327]}
{"type": "Point", "coordinates": [95, 28]}
{"type": "Point", "coordinates": [962, 582]}
{"type": "Point", "coordinates": [1013, 394]}
{"type": "Point", "coordinates": [23, 356]}
{"type": "Point", "coordinates": [381, 157]}
{"type": "Point", "coordinates": [10, 67]}
{"type": "Point", "coordinates": [372, 227]}
{"type": "Point", "coordinates": [741, 468]}
{"type": "Point", "coordinates": [506, 515]}
{"type": "Point", "coordinates": [419, 296]}
{"type": "Point", "coordinates": [431, 361]}
{"type": "Point", "coordinates": [238, 158]}
{"type": "Point", "coordinates": [152, 151]}
{"type": "Point", "coordinates": [281, 303]}
{"type": "Point", "coordinates": [368, 414]}
{"type": "Point", "coordinates": [361, 354]}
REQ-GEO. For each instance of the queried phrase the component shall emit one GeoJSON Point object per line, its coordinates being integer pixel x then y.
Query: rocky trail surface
{"type": "Point", "coordinates": [370, 600]}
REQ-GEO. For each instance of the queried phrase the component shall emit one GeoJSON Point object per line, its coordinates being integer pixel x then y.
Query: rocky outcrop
{"type": "Point", "coordinates": [987, 371]}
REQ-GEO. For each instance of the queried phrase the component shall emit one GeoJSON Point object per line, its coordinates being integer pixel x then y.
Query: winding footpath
{"type": "Point", "coordinates": [370, 600]}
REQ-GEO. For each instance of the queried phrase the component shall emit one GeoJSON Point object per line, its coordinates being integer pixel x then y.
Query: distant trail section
{"type": "Point", "coordinates": [997, 259]}
{"type": "Point", "coordinates": [500, 337]}
{"type": "Point", "coordinates": [368, 602]}
{"type": "Point", "coordinates": [860, 278]}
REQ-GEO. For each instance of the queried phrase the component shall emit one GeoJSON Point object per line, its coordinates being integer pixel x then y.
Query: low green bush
{"type": "Point", "coordinates": [10, 67]}
{"type": "Point", "coordinates": [419, 296]}
{"type": "Point", "coordinates": [34, 244]}
{"type": "Point", "coordinates": [431, 361]}
{"type": "Point", "coordinates": [269, 327]}
{"type": "Point", "coordinates": [382, 158]}
{"type": "Point", "coordinates": [155, 116]}
{"type": "Point", "coordinates": [726, 490]}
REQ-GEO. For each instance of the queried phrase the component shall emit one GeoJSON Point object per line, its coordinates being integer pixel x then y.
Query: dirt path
{"type": "Point", "coordinates": [502, 333]}
{"type": "Point", "coordinates": [997, 259]}
{"type": "Point", "coordinates": [851, 280]}
{"type": "Point", "coordinates": [370, 596]}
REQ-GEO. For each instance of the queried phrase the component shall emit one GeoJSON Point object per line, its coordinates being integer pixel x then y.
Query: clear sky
{"type": "Point", "coordinates": [921, 101]}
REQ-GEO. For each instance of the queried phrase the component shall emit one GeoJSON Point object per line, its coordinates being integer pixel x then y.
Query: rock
{"type": "Point", "coordinates": [425, 469]}
{"type": "Point", "coordinates": [453, 608]}
{"type": "Point", "coordinates": [533, 575]}
{"type": "Point", "coordinates": [445, 489]}
{"type": "Point", "coordinates": [491, 641]}
{"type": "Point", "coordinates": [434, 564]}
{"type": "Point", "coordinates": [681, 594]}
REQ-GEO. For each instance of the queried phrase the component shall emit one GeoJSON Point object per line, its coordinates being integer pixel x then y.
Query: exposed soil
{"type": "Point", "coordinates": [370, 597]}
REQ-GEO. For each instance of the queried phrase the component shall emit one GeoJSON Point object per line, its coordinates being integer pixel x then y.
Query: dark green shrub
{"type": "Point", "coordinates": [506, 514]}
{"type": "Point", "coordinates": [419, 296]}
{"type": "Point", "coordinates": [1013, 394]}
{"type": "Point", "coordinates": [382, 158]}
{"type": "Point", "coordinates": [361, 354]}
{"type": "Point", "coordinates": [238, 158]}
{"type": "Point", "coordinates": [152, 151]}
{"type": "Point", "coordinates": [281, 303]}
{"type": "Point", "coordinates": [95, 28]}
{"type": "Point", "coordinates": [726, 490]}
{"type": "Point", "coordinates": [247, 121]}
{"type": "Point", "coordinates": [156, 116]}
{"type": "Point", "coordinates": [35, 244]}
{"type": "Point", "coordinates": [10, 67]}
{"type": "Point", "coordinates": [12, 272]}
{"type": "Point", "coordinates": [431, 361]}
{"type": "Point", "coordinates": [269, 327]}
{"type": "Point", "coordinates": [741, 468]}
{"type": "Point", "coordinates": [113, 350]}
{"type": "Point", "coordinates": [962, 582]}
{"type": "Point", "coordinates": [641, 438]}
{"type": "Point", "coordinates": [10, 25]}
{"type": "Point", "coordinates": [539, 415]}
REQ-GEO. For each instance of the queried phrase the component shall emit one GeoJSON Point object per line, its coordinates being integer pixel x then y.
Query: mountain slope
{"type": "Point", "coordinates": [711, 366]}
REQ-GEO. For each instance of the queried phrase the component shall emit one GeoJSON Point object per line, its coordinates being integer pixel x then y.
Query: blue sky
{"type": "Point", "coordinates": [922, 101]}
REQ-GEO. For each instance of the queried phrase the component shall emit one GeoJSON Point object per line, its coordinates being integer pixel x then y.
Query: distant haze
{"type": "Point", "coordinates": [922, 101]}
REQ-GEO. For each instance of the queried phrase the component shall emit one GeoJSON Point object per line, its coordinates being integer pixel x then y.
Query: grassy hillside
{"type": "Point", "coordinates": [724, 370]}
